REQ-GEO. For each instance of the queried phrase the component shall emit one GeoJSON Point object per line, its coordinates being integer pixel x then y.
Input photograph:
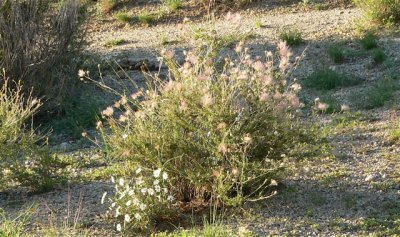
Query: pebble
{"type": "Point", "coordinates": [371, 177]}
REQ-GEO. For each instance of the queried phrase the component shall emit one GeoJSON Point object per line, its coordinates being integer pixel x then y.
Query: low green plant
{"type": "Point", "coordinates": [327, 79]}
{"type": "Point", "coordinates": [378, 56]}
{"type": "Point", "coordinates": [259, 23]}
{"type": "Point", "coordinates": [291, 37]}
{"type": "Point", "coordinates": [114, 42]}
{"type": "Point", "coordinates": [15, 227]}
{"type": "Point", "coordinates": [173, 5]}
{"type": "Point", "coordinates": [395, 133]}
{"type": "Point", "coordinates": [336, 53]}
{"type": "Point", "coordinates": [369, 41]}
{"type": "Point", "coordinates": [122, 16]}
{"type": "Point", "coordinates": [376, 95]}
{"type": "Point", "coordinates": [146, 18]}
{"type": "Point", "coordinates": [381, 11]}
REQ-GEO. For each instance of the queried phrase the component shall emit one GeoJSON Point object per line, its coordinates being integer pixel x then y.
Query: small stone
{"type": "Point", "coordinates": [370, 178]}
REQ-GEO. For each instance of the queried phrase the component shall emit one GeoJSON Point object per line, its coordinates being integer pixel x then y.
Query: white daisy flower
{"type": "Point", "coordinates": [138, 216]}
{"type": "Point", "coordinates": [119, 227]}
{"type": "Point", "coordinates": [127, 218]}
{"type": "Point", "coordinates": [170, 198]}
{"type": "Point", "coordinates": [157, 188]}
{"type": "Point", "coordinates": [142, 207]}
{"type": "Point", "coordinates": [156, 173]}
{"type": "Point", "coordinates": [165, 176]}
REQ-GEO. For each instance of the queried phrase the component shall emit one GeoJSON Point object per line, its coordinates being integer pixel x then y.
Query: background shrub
{"type": "Point", "coordinates": [38, 39]}
{"type": "Point", "coordinates": [381, 11]}
{"type": "Point", "coordinates": [22, 159]}
{"type": "Point", "coordinates": [216, 128]}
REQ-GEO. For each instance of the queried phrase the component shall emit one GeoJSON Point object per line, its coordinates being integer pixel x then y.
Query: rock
{"type": "Point", "coordinates": [371, 177]}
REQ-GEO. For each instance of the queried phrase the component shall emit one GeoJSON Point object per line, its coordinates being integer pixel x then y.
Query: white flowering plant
{"type": "Point", "coordinates": [141, 200]}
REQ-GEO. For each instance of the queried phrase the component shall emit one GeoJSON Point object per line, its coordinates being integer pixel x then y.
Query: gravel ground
{"type": "Point", "coordinates": [354, 192]}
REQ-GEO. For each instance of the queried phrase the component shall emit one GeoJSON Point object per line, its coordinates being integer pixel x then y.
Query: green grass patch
{"type": "Point", "coordinates": [327, 79]}
{"type": "Point", "coordinates": [376, 95]}
{"type": "Point", "coordinates": [336, 53]}
{"type": "Point", "coordinates": [369, 41]}
{"type": "Point", "coordinates": [378, 56]}
{"type": "Point", "coordinates": [291, 37]}
{"type": "Point", "coordinates": [123, 17]}
{"type": "Point", "coordinates": [173, 5]}
{"type": "Point", "coordinates": [146, 18]}
{"type": "Point", "coordinates": [115, 42]}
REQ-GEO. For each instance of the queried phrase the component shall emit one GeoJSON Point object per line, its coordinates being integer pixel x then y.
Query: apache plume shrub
{"type": "Point", "coordinates": [22, 159]}
{"type": "Point", "coordinates": [217, 130]}
{"type": "Point", "coordinates": [38, 41]}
